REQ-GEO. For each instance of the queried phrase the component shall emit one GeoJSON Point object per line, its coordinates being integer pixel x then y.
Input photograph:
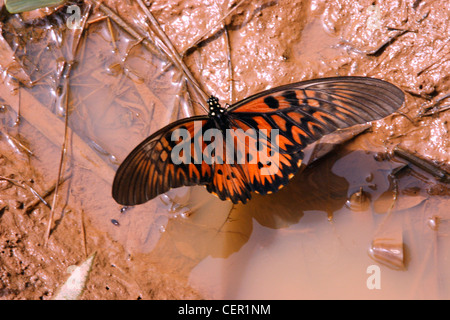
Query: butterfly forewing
{"type": "Point", "coordinates": [304, 112]}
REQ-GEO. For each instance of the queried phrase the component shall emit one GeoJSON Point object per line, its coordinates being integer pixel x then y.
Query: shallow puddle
{"type": "Point", "coordinates": [306, 242]}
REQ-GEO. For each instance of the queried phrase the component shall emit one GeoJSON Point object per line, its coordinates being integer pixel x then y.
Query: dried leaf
{"type": "Point", "coordinates": [74, 286]}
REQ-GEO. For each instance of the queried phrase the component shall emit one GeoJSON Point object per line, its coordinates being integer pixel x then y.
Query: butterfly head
{"type": "Point", "coordinates": [214, 107]}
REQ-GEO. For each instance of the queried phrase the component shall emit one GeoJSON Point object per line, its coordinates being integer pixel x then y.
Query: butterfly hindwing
{"type": "Point", "coordinates": [230, 183]}
{"type": "Point", "coordinates": [265, 168]}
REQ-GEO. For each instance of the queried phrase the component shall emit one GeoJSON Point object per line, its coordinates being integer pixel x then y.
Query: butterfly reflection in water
{"type": "Point", "coordinates": [286, 120]}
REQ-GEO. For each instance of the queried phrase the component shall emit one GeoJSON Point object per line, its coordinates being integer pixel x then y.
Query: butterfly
{"type": "Point", "coordinates": [285, 119]}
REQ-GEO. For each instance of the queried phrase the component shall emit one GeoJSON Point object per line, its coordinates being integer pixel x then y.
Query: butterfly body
{"type": "Point", "coordinates": [218, 114]}
{"type": "Point", "coordinates": [255, 145]}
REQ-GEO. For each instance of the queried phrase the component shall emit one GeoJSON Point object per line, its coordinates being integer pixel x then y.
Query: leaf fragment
{"type": "Point", "coordinates": [76, 283]}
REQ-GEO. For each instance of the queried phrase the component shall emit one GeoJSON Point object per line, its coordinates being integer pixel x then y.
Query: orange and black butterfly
{"type": "Point", "coordinates": [298, 113]}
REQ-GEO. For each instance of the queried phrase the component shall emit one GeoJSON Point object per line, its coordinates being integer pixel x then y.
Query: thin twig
{"type": "Point", "coordinates": [64, 75]}
{"type": "Point", "coordinates": [429, 110]}
{"type": "Point", "coordinates": [433, 112]}
{"type": "Point", "coordinates": [127, 53]}
{"type": "Point", "coordinates": [32, 204]}
{"type": "Point", "coordinates": [83, 233]}
{"type": "Point", "coordinates": [230, 65]}
{"type": "Point", "coordinates": [16, 143]}
{"type": "Point", "coordinates": [173, 51]}
{"type": "Point", "coordinates": [63, 152]}
{"type": "Point", "coordinates": [18, 111]}
{"type": "Point", "coordinates": [423, 164]}
{"type": "Point", "coordinates": [67, 68]}
{"type": "Point", "coordinates": [129, 29]}
{"type": "Point", "coordinates": [26, 187]}
{"type": "Point", "coordinates": [113, 39]}
{"type": "Point", "coordinates": [95, 20]}
{"type": "Point", "coordinates": [380, 49]}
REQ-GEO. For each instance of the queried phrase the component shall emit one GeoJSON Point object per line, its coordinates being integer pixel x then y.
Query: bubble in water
{"type": "Point", "coordinates": [165, 199]}
{"type": "Point", "coordinates": [359, 201]}
{"type": "Point", "coordinates": [185, 213]}
{"type": "Point", "coordinates": [433, 223]}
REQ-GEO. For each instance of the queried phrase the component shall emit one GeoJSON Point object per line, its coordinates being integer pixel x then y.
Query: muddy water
{"type": "Point", "coordinates": [313, 240]}
{"type": "Point", "coordinates": [355, 224]}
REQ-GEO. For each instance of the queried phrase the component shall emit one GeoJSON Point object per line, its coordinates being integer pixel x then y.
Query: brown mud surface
{"type": "Point", "coordinates": [310, 240]}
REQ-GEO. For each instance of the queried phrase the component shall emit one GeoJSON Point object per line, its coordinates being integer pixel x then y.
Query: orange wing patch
{"type": "Point", "coordinates": [266, 104]}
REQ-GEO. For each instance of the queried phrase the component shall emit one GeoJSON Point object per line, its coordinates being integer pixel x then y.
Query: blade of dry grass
{"type": "Point", "coordinates": [26, 187]}
{"type": "Point", "coordinates": [61, 160]}
{"type": "Point", "coordinates": [32, 204]}
{"type": "Point", "coordinates": [125, 26]}
{"type": "Point", "coordinates": [173, 54]}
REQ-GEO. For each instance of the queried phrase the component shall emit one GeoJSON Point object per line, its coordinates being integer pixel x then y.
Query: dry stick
{"type": "Point", "coordinates": [429, 110]}
{"type": "Point", "coordinates": [26, 187]}
{"type": "Point", "coordinates": [65, 76]}
{"type": "Point", "coordinates": [17, 143]}
{"type": "Point", "coordinates": [433, 112]}
{"type": "Point", "coordinates": [113, 39]}
{"type": "Point", "coordinates": [425, 165]}
{"type": "Point", "coordinates": [61, 160]}
{"type": "Point", "coordinates": [377, 50]}
{"type": "Point", "coordinates": [230, 65]}
{"type": "Point", "coordinates": [173, 52]}
{"type": "Point", "coordinates": [83, 233]}
{"type": "Point", "coordinates": [127, 53]}
{"type": "Point", "coordinates": [95, 20]}
{"type": "Point", "coordinates": [19, 114]}
{"type": "Point", "coordinates": [125, 26]}
{"type": "Point", "coordinates": [32, 204]}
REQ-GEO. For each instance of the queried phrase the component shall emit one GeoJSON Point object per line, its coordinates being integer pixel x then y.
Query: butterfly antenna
{"type": "Point", "coordinates": [201, 105]}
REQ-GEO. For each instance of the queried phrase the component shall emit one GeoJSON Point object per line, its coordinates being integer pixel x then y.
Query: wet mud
{"type": "Point", "coordinates": [355, 206]}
